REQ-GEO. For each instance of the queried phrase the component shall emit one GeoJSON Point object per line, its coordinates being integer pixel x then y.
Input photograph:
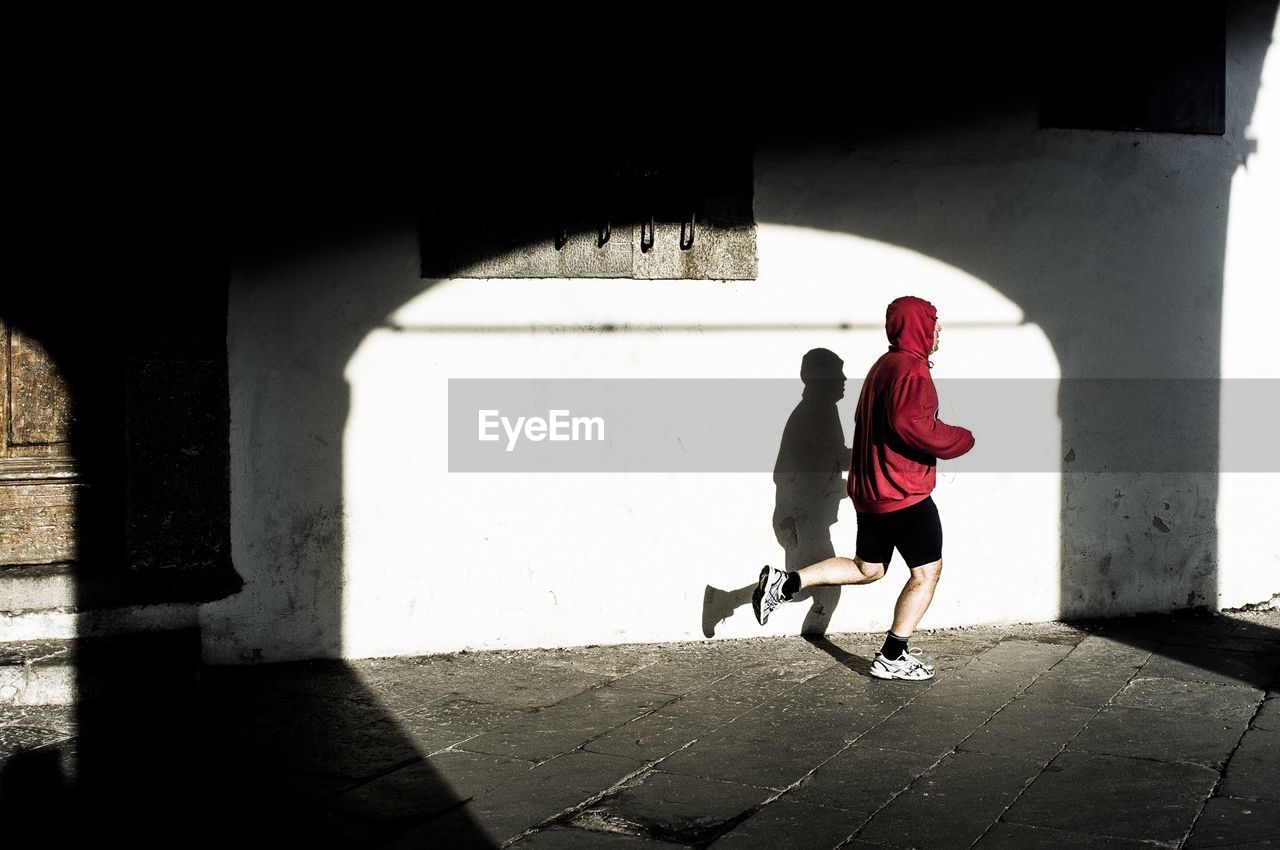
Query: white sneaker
{"type": "Point", "coordinates": [768, 592]}
{"type": "Point", "coordinates": [919, 657]}
{"type": "Point", "coordinates": [907, 667]}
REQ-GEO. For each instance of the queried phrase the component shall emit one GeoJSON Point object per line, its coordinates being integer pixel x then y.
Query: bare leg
{"type": "Point", "coordinates": [914, 600]}
{"type": "Point", "coordinates": [840, 571]}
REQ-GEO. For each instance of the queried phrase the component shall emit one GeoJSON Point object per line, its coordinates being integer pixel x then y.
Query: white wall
{"type": "Point", "coordinates": [1248, 552]}
{"type": "Point", "coordinates": [1050, 254]}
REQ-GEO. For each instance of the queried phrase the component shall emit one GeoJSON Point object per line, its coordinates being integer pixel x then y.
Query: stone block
{"type": "Point", "coordinates": [1115, 796]}
{"type": "Point", "coordinates": [1032, 727]}
{"type": "Point", "coordinates": [1254, 769]}
{"type": "Point", "coordinates": [952, 804]}
{"type": "Point", "coordinates": [861, 779]}
{"type": "Point", "coordinates": [1229, 702]}
{"type": "Point", "coordinates": [1016, 836]}
{"type": "Point", "coordinates": [926, 729]}
{"type": "Point", "coordinates": [789, 824]}
{"type": "Point", "coordinates": [572, 722]}
{"type": "Point", "coordinates": [1164, 736]}
{"type": "Point", "coordinates": [1230, 822]}
{"type": "Point", "coordinates": [429, 786]}
{"type": "Point", "coordinates": [757, 749]}
{"type": "Point", "coordinates": [676, 807]}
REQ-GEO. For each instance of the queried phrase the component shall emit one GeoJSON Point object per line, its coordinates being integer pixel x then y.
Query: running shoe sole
{"type": "Point", "coordinates": [758, 594]}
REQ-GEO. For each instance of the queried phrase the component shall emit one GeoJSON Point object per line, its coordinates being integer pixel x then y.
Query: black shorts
{"type": "Point", "coordinates": [916, 532]}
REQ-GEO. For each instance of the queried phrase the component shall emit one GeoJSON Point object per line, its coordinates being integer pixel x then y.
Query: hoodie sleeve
{"type": "Point", "coordinates": [914, 417]}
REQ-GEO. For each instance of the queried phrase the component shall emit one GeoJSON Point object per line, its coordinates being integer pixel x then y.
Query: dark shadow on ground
{"type": "Point", "coordinates": [278, 755]}
{"type": "Point", "coordinates": [857, 663]}
{"type": "Point", "coordinates": [1230, 649]}
{"type": "Point", "coordinates": [161, 750]}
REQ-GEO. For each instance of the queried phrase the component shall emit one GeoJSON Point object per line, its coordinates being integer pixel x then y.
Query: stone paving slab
{"type": "Point", "coordinates": [605, 660]}
{"type": "Point", "coordinates": [539, 735]}
{"type": "Point", "coordinates": [282, 713]}
{"type": "Point", "coordinates": [1118, 730]}
{"type": "Point", "coordinates": [555, 838]}
{"type": "Point", "coordinates": [653, 736]}
{"type": "Point", "coordinates": [404, 695]}
{"type": "Point", "coordinates": [16, 738]}
{"type": "Point", "coordinates": [60, 717]}
{"type": "Point", "coordinates": [1257, 624]}
{"type": "Point", "coordinates": [792, 671]}
{"type": "Point", "coordinates": [791, 824]}
{"type": "Point", "coordinates": [282, 786]}
{"type": "Point", "coordinates": [675, 807]}
{"type": "Point", "coordinates": [1254, 769]}
{"type": "Point", "coordinates": [460, 828]}
{"type": "Point", "coordinates": [428, 738]}
{"type": "Point", "coordinates": [415, 790]}
{"type": "Point", "coordinates": [837, 702]}
{"type": "Point", "coordinates": [723, 701]}
{"type": "Point", "coordinates": [529, 799]}
{"type": "Point", "coordinates": [861, 779]}
{"type": "Point", "coordinates": [851, 691]}
{"type": "Point", "coordinates": [976, 688]}
{"type": "Point", "coordinates": [1268, 716]}
{"type": "Point", "coordinates": [1101, 651]}
{"type": "Point", "coordinates": [359, 754]}
{"type": "Point", "coordinates": [1229, 822]}
{"type": "Point", "coordinates": [510, 679]}
{"type": "Point", "coordinates": [755, 749]}
{"type": "Point", "coordinates": [1085, 686]}
{"type": "Point", "coordinates": [1115, 796]}
{"type": "Point", "coordinates": [1016, 836]}
{"type": "Point", "coordinates": [672, 677]}
{"type": "Point", "coordinates": [1021, 655]}
{"type": "Point", "coordinates": [1074, 735]}
{"type": "Point", "coordinates": [952, 804]}
{"type": "Point", "coordinates": [1140, 628]}
{"type": "Point", "coordinates": [932, 730]}
{"type": "Point", "coordinates": [1227, 701]}
{"type": "Point", "coordinates": [1231, 642]}
{"type": "Point", "coordinates": [462, 715]}
{"type": "Point", "coordinates": [1031, 727]}
{"type": "Point", "coordinates": [1206, 665]}
{"type": "Point", "coordinates": [533, 686]}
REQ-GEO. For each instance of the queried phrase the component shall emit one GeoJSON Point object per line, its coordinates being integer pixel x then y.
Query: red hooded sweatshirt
{"type": "Point", "coordinates": [898, 437]}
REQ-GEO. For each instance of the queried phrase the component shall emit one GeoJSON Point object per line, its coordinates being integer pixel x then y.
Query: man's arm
{"type": "Point", "coordinates": [913, 416]}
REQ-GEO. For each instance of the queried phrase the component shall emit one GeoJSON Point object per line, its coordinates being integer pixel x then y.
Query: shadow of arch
{"type": "Point", "coordinates": [156, 750]}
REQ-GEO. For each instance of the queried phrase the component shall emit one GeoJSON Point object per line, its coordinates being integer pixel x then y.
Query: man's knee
{"type": "Point", "coordinates": [927, 573]}
{"type": "Point", "coordinates": [871, 572]}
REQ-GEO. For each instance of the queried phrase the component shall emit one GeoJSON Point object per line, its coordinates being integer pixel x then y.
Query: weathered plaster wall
{"type": "Point", "coordinates": [1057, 255]}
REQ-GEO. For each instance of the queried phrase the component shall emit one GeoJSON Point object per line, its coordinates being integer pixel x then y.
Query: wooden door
{"type": "Point", "coordinates": [38, 481]}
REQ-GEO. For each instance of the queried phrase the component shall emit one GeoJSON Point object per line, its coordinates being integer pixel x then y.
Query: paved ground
{"type": "Point", "coordinates": [1123, 733]}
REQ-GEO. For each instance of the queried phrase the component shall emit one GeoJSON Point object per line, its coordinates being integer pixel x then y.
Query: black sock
{"type": "Point", "coordinates": [893, 647]}
{"type": "Point", "coordinates": [790, 585]}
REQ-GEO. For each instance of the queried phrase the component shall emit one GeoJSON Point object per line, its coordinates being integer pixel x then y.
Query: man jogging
{"type": "Point", "coordinates": [897, 440]}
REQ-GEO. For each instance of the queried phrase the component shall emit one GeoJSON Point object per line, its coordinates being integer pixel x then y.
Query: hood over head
{"type": "Point", "coordinates": [909, 322]}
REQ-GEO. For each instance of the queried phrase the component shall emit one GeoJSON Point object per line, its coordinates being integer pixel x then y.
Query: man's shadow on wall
{"type": "Point", "coordinates": [809, 486]}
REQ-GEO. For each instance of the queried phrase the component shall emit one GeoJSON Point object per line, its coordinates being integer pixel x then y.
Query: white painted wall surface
{"type": "Point", "coordinates": [1248, 549]}
{"type": "Point", "coordinates": [1049, 253]}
